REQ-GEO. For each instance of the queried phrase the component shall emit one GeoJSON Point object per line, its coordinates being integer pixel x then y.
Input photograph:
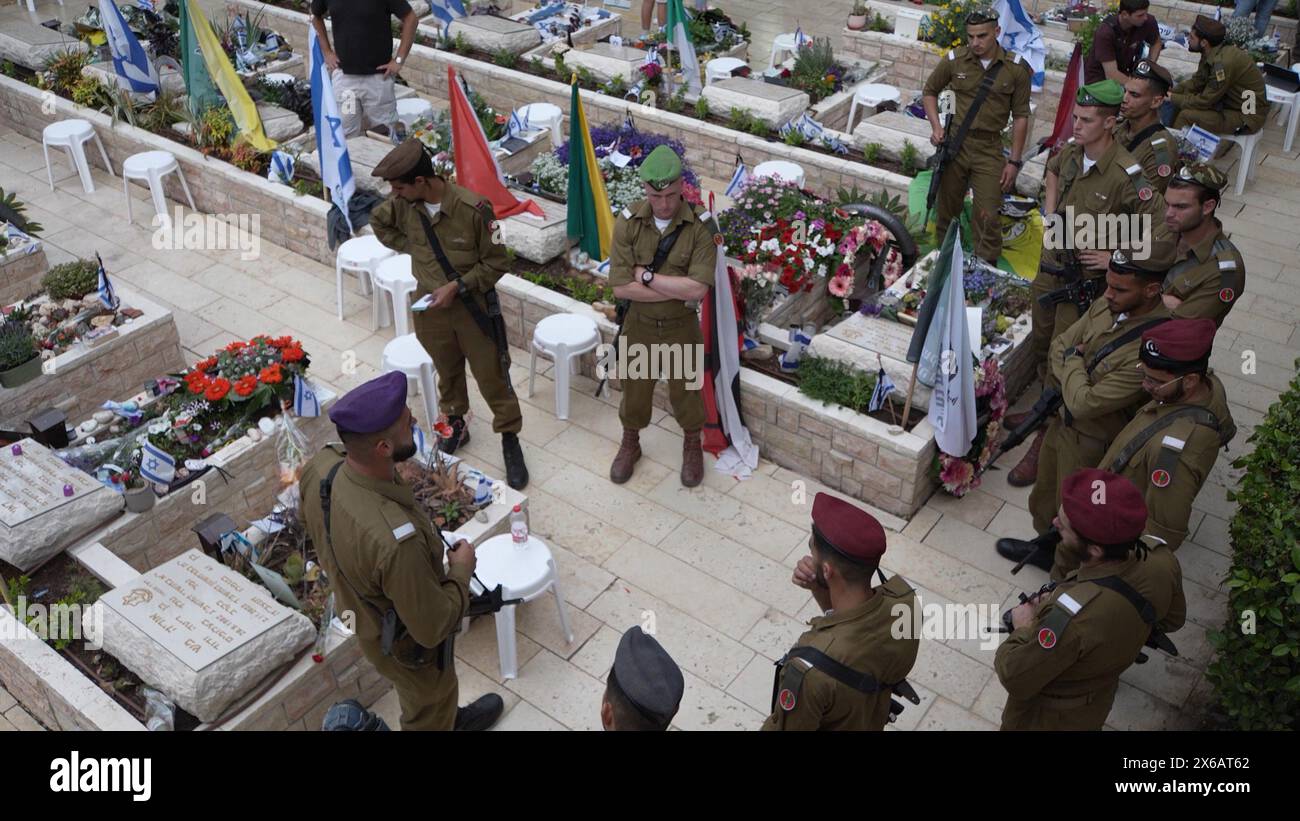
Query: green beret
{"type": "Point", "coordinates": [1105, 92]}
{"type": "Point", "coordinates": [661, 167]}
{"type": "Point", "coordinates": [1203, 174]}
{"type": "Point", "coordinates": [980, 15]}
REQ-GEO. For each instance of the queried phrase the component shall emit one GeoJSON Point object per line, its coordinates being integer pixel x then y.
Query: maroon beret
{"type": "Point", "coordinates": [1104, 508]}
{"type": "Point", "coordinates": [847, 528]}
{"type": "Point", "coordinates": [372, 406]}
{"type": "Point", "coordinates": [1179, 344]}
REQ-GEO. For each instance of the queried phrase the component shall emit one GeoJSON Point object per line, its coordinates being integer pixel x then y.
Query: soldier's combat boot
{"type": "Point", "coordinates": [1040, 550]}
{"type": "Point", "coordinates": [1026, 472]}
{"type": "Point", "coordinates": [459, 435]}
{"type": "Point", "coordinates": [516, 470]}
{"type": "Point", "coordinates": [692, 460]}
{"type": "Point", "coordinates": [481, 714]}
{"type": "Point", "coordinates": [629, 451]}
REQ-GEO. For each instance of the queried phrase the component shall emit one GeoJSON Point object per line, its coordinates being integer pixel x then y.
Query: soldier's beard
{"type": "Point", "coordinates": [403, 453]}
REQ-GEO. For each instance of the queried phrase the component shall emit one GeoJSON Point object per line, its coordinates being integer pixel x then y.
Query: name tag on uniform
{"type": "Point", "coordinates": [961, 76]}
{"type": "Point", "coordinates": [404, 531]}
{"type": "Point", "coordinates": [1173, 443]}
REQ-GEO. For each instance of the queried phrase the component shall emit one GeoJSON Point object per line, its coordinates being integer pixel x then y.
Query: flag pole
{"type": "Point", "coordinates": [893, 416]}
{"type": "Point", "coordinates": [907, 407]}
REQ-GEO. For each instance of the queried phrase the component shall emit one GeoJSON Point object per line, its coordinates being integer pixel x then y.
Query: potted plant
{"type": "Point", "coordinates": [137, 492]}
{"type": "Point", "coordinates": [20, 361]}
{"type": "Point", "coordinates": [858, 16]}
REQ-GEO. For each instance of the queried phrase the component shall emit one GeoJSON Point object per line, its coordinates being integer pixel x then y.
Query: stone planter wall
{"type": "Point", "coordinates": [78, 381]}
{"type": "Point", "coordinates": [21, 272]}
{"type": "Point", "coordinates": [848, 451]}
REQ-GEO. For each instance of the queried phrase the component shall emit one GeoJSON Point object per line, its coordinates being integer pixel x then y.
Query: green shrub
{"type": "Point", "coordinates": [793, 137]}
{"type": "Point", "coordinates": [908, 159]}
{"type": "Point", "coordinates": [14, 211]}
{"type": "Point", "coordinates": [835, 382]}
{"type": "Point", "coordinates": [702, 108]}
{"type": "Point", "coordinates": [1256, 673]}
{"type": "Point", "coordinates": [505, 58]}
{"type": "Point", "coordinates": [535, 63]}
{"type": "Point", "coordinates": [71, 280]}
{"type": "Point", "coordinates": [739, 119]}
{"type": "Point", "coordinates": [16, 345]}
{"type": "Point", "coordinates": [759, 128]}
{"type": "Point", "coordinates": [871, 152]}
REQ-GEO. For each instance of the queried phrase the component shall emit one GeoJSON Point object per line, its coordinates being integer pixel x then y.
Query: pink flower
{"type": "Point", "coordinates": [839, 286]}
{"type": "Point", "coordinates": [956, 475]}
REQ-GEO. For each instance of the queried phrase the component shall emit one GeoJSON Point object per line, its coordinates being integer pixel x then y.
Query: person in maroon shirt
{"type": "Point", "coordinates": [1117, 45]}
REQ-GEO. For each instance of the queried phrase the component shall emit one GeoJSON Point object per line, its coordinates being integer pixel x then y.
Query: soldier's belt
{"type": "Point", "coordinates": [671, 322]}
{"type": "Point", "coordinates": [1063, 702]}
{"type": "Point", "coordinates": [982, 134]}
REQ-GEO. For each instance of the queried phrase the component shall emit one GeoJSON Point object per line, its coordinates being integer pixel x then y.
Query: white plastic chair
{"type": "Point", "coordinates": [544, 115]}
{"type": "Point", "coordinates": [31, 5]}
{"type": "Point", "coordinates": [359, 255]}
{"type": "Point", "coordinates": [870, 96]}
{"type": "Point", "coordinates": [406, 354]}
{"type": "Point", "coordinates": [781, 169]}
{"type": "Point", "coordinates": [1246, 165]}
{"type": "Point", "coordinates": [720, 68]}
{"type": "Point", "coordinates": [411, 109]}
{"type": "Point", "coordinates": [563, 338]}
{"type": "Point", "coordinates": [152, 166]}
{"type": "Point", "coordinates": [73, 135]}
{"type": "Point", "coordinates": [393, 279]}
{"type": "Point", "coordinates": [782, 44]}
{"type": "Point", "coordinates": [524, 573]}
{"type": "Point", "coordinates": [1287, 109]}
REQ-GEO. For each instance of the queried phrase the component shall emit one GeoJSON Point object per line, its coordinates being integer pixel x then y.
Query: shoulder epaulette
{"type": "Point", "coordinates": [952, 54]}
{"type": "Point", "coordinates": [627, 213]}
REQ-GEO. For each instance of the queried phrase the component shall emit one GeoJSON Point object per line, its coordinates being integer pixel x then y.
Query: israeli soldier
{"type": "Point", "coordinates": [1209, 273]}
{"type": "Point", "coordinates": [448, 232]}
{"type": "Point", "coordinates": [1062, 663]}
{"type": "Point", "coordinates": [384, 559]}
{"type": "Point", "coordinates": [991, 85]}
{"type": "Point", "coordinates": [662, 261]}
{"type": "Point", "coordinates": [1170, 446]}
{"type": "Point", "coordinates": [1226, 95]}
{"type": "Point", "coordinates": [1140, 130]}
{"type": "Point", "coordinates": [645, 685]}
{"type": "Point", "coordinates": [1094, 366]}
{"type": "Point", "coordinates": [841, 674]}
{"type": "Point", "coordinates": [1091, 178]}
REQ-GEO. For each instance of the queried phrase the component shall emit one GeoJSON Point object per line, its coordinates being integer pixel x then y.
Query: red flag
{"type": "Point", "coordinates": [476, 168]}
{"type": "Point", "coordinates": [1063, 128]}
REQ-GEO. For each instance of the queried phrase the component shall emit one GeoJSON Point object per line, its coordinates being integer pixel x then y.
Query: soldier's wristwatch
{"type": "Point", "coordinates": [646, 277]}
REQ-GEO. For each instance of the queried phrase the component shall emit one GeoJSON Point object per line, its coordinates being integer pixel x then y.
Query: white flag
{"type": "Point", "coordinates": [952, 404]}
{"type": "Point", "coordinates": [331, 146]}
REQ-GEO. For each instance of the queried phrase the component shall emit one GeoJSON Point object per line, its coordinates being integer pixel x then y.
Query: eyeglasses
{"type": "Point", "coordinates": [1147, 380]}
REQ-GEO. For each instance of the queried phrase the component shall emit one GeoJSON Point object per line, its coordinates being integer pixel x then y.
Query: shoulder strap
{"type": "Point", "coordinates": [1224, 251]}
{"type": "Point", "coordinates": [1146, 611]}
{"type": "Point", "coordinates": [1199, 415]}
{"type": "Point", "coordinates": [1141, 136]}
{"type": "Point", "coordinates": [326, 494]}
{"type": "Point", "coordinates": [1120, 341]}
{"type": "Point", "coordinates": [476, 313]}
{"type": "Point", "coordinates": [981, 94]}
{"type": "Point", "coordinates": [665, 247]}
{"type": "Point", "coordinates": [862, 682]}
{"type": "Point", "coordinates": [1140, 184]}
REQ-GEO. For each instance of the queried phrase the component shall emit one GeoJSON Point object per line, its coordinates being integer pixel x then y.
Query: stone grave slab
{"type": "Point", "coordinates": [200, 632]}
{"type": "Point", "coordinates": [773, 104]}
{"type": "Point", "coordinates": [856, 341]}
{"type": "Point", "coordinates": [365, 152]}
{"type": "Point", "coordinates": [37, 520]}
{"type": "Point", "coordinates": [607, 62]}
{"type": "Point", "coordinates": [28, 44]}
{"type": "Point", "coordinates": [492, 34]}
{"type": "Point", "coordinates": [172, 81]}
{"type": "Point", "coordinates": [537, 240]}
{"type": "Point", "coordinates": [280, 124]}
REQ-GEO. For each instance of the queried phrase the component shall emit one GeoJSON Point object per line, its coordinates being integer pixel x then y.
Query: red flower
{"type": "Point", "coordinates": [270, 374]}
{"type": "Point", "coordinates": [246, 385]}
{"type": "Point", "coordinates": [205, 365]}
{"type": "Point", "coordinates": [217, 389]}
{"type": "Point", "coordinates": [293, 353]}
{"type": "Point", "coordinates": [443, 430]}
{"type": "Point", "coordinates": [281, 342]}
{"type": "Point", "coordinates": [196, 382]}
{"type": "Point", "coordinates": [235, 347]}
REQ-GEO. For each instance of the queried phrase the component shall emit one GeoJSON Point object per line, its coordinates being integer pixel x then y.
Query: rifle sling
{"type": "Point", "coordinates": [1146, 611]}
{"type": "Point", "coordinates": [1120, 341]}
{"type": "Point", "coordinates": [1202, 416]}
{"type": "Point", "coordinates": [476, 313]}
{"type": "Point", "coordinates": [982, 93]}
{"type": "Point", "coordinates": [862, 682]}
{"type": "Point", "coordinates": [1142, 135]}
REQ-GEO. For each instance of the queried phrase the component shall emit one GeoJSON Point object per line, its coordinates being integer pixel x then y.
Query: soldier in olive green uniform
{"type": "Point", "coordinates": [1209, 273]}
{"type": "Point", "coordinates": [1226, 95]}
{"type": "Point", "coordinates": [458, 325]}
{"type": "Point", "coordinates": [662, 316]}
{"type": "Point", "coordinates": [1094, 365]}
{"type": "Point", "coordinates": [1062, 662]}
{"type": "Point", "coordinates": [1171, 445]}
{"type": "Point", "coordinates": [980, 164]}
{"type": "Point", "coordinates": [1092, 176]}
{"type": "Point", "coordinates": [384, 559]}
{"type": "Point", "coordinates": [1140, 131]}
{"type": "Point", "coordinates": [841, 674]}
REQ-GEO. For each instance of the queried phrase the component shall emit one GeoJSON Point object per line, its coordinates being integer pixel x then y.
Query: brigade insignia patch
{"type": "Point", "coordinates": [1219, 75]}
{"type": "Point", "coordinates": [717, 239]}
{"type": "Point", "coordinates": [1144, 193]}
{"type": "Point", "coordinates": [786, 700]}
{"type": "Point", "coordinates": [1160, 478]}
{"type": "Point", "coordinates": [1164, 170]}
{"type": "Point", "coordinates": [1046, 638]}
{"type": "Point", "coordinates": [1226, 295]}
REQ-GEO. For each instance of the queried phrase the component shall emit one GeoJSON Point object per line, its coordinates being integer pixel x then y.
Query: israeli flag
{"type": "Point", "coordinates": [281, 169]}
{"type": "Point", "coordinates": [331, 147]}
{"type": "Point", "coordinates": [417, 433]}
{"type": "Point", "coordinates": [156, 465]}
{"type": "Point", "coordinates": [446, 11]}
{"type": "Point", "coordinates": [738, 179]}
{"type": "Point", "coordinates": [107, 297]}
{"type": "Point", "coordinates": [129, 60]}
{"type": "Point", "coordinates": [884, 387]}
{"type": "Point", "coordinates": [305, 400]}
{"type": "Point", "coordinates": [1218, 12]}
{"type": "Point", "coordinates": [800, 39]}
{"type": "Point", "coordinates": [1021, 36]}
{"type": "Point", "coordinates": [516, 126]}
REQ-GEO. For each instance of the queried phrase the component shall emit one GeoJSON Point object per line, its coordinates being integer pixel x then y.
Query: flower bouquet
{"type": "Point", "coordinates": [959, 475]}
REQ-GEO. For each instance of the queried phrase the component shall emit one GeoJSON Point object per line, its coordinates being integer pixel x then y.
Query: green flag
{"type": "Point", "coordinates": [591, 222]}
{"type": "Point", "coordinates": [198, 83]}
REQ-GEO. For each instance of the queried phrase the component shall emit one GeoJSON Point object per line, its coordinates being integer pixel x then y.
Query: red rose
{"type": "Point", "coordinates": [217, 389]}
{"type": "Point", "coordinates": [271, 374]}
{"type": "Point", "coordinates": [246, 385]}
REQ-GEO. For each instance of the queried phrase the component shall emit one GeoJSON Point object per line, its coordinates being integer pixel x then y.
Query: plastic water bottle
{"type": "Point", "coordinates": [518, 527]}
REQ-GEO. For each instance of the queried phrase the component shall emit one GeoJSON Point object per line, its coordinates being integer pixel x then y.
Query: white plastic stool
{"type": "Point", "coordinates": [393, 278]}
{"type": "Point", "coordinates": [153, 166]}
{"type": "Point", "coordinates": [360, 255]}
{"type": "Point", "coordinates": [870, 96]}
{"type": "Point", "coordinates": [721, 68]}
{"type": "Point", "coordinates": [781, 169]}
{"type": "Point", "coordinates": [524, 572]}
{"type": "Point", "coordinates": [1287, 108]}
{"type": "Point", "coordinates": [31, 5]}
{"type": "Point", "coordinates": [544, 115]}
{"type": "Point", "coordinates": [783, 44]}
{"type": "Point", "coordinates": [406, 354]}
{"type": "Point", "coordinates": [1246, 165]}
{"type": "Point", "coordinates": [413, 108]}
{"type": "Point", "coordinates": [563, 338]}
{"type": "Point", "coordinates": [73, 135]}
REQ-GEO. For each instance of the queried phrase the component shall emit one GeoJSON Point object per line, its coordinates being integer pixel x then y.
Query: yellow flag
{"type": "Point", "coordinates": [224, 76]}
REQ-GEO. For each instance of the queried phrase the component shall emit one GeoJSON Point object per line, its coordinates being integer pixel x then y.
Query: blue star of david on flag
{"type": "Point", "coordinates": [107, 297]}
{"type": "Point", "coordinates": [156, 465]}
{"type": "Point", "coordinates": [305, 400]}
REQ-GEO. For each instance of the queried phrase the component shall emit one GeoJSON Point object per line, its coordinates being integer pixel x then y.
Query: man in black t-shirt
{"type": "Point", "coordinates": [1118, 41]}
{"type": "Point", "coordinates": [363, 66]}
